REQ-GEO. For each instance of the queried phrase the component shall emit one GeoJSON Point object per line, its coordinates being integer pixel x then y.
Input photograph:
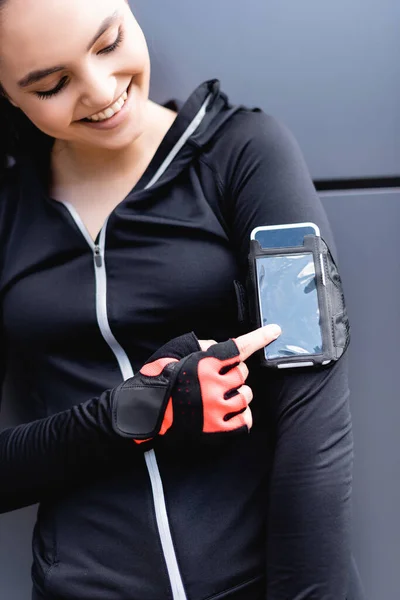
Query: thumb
{"type": "Point", "coordinates": [257, 339]}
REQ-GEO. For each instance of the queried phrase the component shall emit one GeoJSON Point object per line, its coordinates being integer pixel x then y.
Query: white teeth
{"type": "Point", "coordinates": [110, 112]}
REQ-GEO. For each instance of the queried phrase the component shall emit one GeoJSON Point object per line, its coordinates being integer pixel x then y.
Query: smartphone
{"type": "Point", "coordinates": [283, 236]}
{"type": "Point", "coordinates": [288, 295]}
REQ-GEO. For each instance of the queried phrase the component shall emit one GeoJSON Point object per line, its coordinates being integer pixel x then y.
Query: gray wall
{"type": "Point", "coordinates": [331, 72]}
{"type": "Point", "coordinates": [366, 228]}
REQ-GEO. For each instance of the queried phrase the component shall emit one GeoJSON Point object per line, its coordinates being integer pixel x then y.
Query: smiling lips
{"type": "Point", "coordinates": [109, 112]}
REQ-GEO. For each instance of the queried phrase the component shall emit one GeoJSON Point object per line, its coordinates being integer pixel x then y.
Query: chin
{"type": "Point", "coordinates": [117, 141]}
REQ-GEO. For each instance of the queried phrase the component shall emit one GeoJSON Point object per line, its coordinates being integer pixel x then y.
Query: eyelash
{"type": "Point", "coordinates": [115, 45]}
{"type": "Point", "coordinates": [61, 84]}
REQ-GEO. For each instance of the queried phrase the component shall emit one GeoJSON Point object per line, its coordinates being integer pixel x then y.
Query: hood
{"type": "Point", "coordinates": [199, 120]}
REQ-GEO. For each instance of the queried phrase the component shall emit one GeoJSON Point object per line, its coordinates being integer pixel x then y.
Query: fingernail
{"type": "Point", "coordinates": [274, 330]}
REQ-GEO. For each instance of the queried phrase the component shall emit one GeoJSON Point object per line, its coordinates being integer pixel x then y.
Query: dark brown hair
{"type": "Point", "coordinates": [18, 135]}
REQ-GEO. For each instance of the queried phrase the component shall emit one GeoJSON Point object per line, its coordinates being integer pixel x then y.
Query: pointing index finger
{"type": "Point", "coordinates": [257, 339]}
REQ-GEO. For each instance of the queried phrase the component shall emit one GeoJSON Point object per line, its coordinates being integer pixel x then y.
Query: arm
{"type": "Point", "coordinates": [49, 455]}
{"type": "Point", "coordinates": [46, 456]}
{"type": "Point", "coordinates": [308, 542]}
{"type": "Point", "coordinates": [308, 549]}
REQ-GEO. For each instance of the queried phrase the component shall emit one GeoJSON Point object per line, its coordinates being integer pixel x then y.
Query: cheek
{"type": "Point", "coordinates": [137, 60]}
{"type": "Point", "coordinates": [50, 115]}
{"type": "Point", "coordinates": [135, 49]}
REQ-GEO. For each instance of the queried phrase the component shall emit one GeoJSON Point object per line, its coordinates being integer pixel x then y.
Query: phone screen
{"type": "Point", "coordinates": [282, 237]}
{"type": "Point", "coordinates": [288, 296]}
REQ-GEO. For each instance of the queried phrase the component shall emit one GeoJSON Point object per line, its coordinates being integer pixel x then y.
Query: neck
{"type": "Point", "coordinates": [82, 162]}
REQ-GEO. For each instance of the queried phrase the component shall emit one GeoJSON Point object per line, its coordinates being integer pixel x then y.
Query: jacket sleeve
{"type": "Point", "coordinates": [49, 455]}
{"type": "Point", "coordinates": [308, 535]}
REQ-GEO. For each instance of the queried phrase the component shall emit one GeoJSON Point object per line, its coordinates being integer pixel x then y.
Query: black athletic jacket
{"type": "Point", "coordinates": [259, 516]}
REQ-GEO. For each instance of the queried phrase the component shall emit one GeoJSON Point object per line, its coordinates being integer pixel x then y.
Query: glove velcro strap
{"type": "Point", "coordinates": [186, 399]}
{"type": "Point", "coordinates": [139, 404]}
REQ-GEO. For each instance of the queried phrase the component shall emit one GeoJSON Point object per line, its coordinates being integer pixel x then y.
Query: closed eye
{"type": "Point", "coordinates": [64, 80]}
{"type": "Point", "coordinates": [60, 85]}
{"type": "Point", "coordinates": [115, 45]}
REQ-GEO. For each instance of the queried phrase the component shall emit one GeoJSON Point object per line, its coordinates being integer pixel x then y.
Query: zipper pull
{"type": "Point", "coordinates": [97, 256]}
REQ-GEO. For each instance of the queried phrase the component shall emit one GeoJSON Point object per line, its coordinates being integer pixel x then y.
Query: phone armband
{"type": "Point", "coordinates": [312, 271]}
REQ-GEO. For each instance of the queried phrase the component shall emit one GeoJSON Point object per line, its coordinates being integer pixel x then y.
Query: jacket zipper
{"type": "Point", "coordinates": [164, 531]}
{"type": "Point", "coordinates": [98, 249]}
{"type": "Point", "coordinates": [98, 260]}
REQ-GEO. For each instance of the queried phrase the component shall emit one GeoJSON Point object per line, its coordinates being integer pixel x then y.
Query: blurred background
{"type": "Point", "coordinates": [331, 73]}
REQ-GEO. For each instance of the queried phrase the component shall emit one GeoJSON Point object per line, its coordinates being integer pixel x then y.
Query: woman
{"type": "Point", "coordinates": [110, 248]}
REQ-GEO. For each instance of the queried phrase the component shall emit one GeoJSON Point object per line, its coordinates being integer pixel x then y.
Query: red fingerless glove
{"type": "Point", "coordinates": [190, 396]}
{"type": "Point", "coordinates": [205, 397]}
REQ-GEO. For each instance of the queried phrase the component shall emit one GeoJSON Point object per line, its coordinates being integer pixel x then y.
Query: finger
{"type": "Point", "coordinates": [238, 421]}
{"type": "Point", "coordinates": [257, 339]}
{"type": "Point", "coordinates": [246, 392]}
{"type": "Point", "coordinates": [205, 344]}
{"type": "Point", "coordinates": [242, 397]}
{"type": "Point", "coordinates": [233, 378]}
{"type": "Point", "coordinates": [244, 370]}
{"type": "Point", "coordinates": [239, 401]}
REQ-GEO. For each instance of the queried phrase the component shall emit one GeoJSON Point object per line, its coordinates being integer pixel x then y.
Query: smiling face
{"type": "Point", "coordinates": [65, 61]}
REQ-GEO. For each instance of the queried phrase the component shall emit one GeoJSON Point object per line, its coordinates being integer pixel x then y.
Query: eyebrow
{"type": "Point", "coordinates": [38, 75]}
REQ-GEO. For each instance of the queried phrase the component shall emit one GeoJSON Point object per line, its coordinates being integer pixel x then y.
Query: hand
{"type": "Point", "coordinates": [190, 391]}
{"type": "Point", "coordinates": [248, 344]}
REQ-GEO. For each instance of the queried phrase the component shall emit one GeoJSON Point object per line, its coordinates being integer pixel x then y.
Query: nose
{"type": "Point", "coordinates": [98, 90]}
